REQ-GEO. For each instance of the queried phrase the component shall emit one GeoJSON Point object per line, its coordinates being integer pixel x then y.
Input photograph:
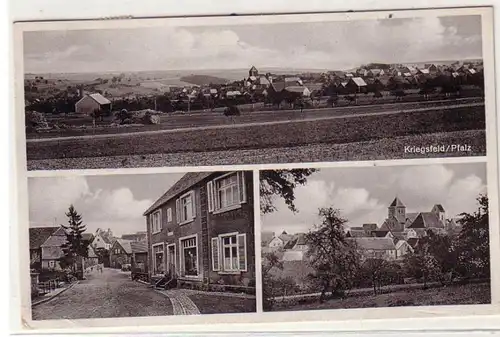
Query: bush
{"type": "Point", "coordinates": [35, 121]}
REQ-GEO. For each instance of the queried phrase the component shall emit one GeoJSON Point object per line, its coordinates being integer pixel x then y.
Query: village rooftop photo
{"type": "Point", "coordinates": [142, 245]}
{"type": "Point", "coordinates": [338, 238]}
{"type": "Point", "coordinates": [247, 91]}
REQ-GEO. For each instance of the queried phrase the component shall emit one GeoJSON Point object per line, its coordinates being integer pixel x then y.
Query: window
{"type": "Point", "coordinates": [229, 253]}
{"type": "Point", "coordinates": [185, 208]}
{"type": "Point", "coordinates": [226, 192]}
{"type": "Point", "coordinates": [155, 222]}
{"type": "Point", "coordinates": [189, 256]}
{"type": "Point", "coordinates": [158, 259]}
{"type": "Point", "coordinates": [169, 214]}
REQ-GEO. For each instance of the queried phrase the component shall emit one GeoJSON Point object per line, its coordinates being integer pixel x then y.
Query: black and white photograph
{"type": "Point", "coordinates": [244, 90]}
{"type": "Point", "coordinates": [109, 246]}
{"type": "Point", "coordinates": [375, 237]}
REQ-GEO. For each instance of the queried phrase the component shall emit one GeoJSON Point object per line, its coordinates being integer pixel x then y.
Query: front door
{"type": "Point", "coordinates": [171, 260]}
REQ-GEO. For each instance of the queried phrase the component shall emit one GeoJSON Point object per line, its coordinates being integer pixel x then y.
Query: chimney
{"type": "Point", "coordinates": [81, 93]}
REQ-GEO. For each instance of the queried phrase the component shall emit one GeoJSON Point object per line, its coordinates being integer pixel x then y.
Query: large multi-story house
{"type": "Point", "coordinates": [201, 231]}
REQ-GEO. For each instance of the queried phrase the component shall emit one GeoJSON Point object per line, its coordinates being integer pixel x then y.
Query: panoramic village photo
{"type": "Point", "coordinates": [241, 92]}
{"type": "Point", "coordinates": [340, 238]}
{"type": "Point", "coordinates": [141, 245]}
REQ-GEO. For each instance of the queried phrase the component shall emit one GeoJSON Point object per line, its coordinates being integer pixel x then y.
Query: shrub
{"type": "Point", "coordinates": [35, 121]}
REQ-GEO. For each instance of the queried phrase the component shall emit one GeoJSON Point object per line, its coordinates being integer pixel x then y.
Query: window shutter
{"type": "Point", "coordinates": [215, 254]}
{"type": "Point", "coordinates": [242, 252]}
{"type": "Point", "coordinates": [210, 196]}
{"type": "Point", "coordinates": [242, 187]}
{"type": "Point", "coordinates": [193, 205]}
{"type": "Point", "coordinates": [160, 220]}
{"type": "Point", "coordinates": [177, 211]}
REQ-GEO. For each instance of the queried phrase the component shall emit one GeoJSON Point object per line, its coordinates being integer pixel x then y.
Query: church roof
{"type": "Point", "coordinates": [427, 220]}
{"type": "Point", "coordinates": [397, 203]}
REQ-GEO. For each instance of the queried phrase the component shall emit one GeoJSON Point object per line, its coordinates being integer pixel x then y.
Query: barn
{"type": "Point", "coordinates": [93, 102]}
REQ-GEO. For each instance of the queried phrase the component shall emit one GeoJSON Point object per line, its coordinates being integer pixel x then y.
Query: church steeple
{"type": "Point", "coordinates": [398, 210]}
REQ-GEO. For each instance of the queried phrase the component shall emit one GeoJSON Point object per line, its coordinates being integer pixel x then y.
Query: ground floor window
{"type": "Point", "coordinates": [229, 252]}
{"type": "Point", "coordinates": [158, 259]}
{"type": "Point", "coordinates": [189, 256]}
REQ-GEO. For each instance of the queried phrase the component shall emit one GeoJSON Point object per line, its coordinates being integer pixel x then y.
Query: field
{"type": "Point", "coordinates": [387, 148]}
{"type": "Point", "coordinates": [267, 135]}
{"type": "Point", "coordinates": [451, 295]}
{"type": "Point", "coordinates": [203, 119]}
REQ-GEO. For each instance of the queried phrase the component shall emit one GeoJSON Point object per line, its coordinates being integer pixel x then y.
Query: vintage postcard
{"type": "Point", "coordinates": [376, 237]}
{"type": "Point", "coordinates": [141, 245]}
{"type": "Point", "coordinates": [242, 169]}
{"type": "Point", "coordinates": [253, 90]}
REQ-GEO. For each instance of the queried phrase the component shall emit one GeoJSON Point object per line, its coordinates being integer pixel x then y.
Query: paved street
{"type": "Point", "coordinates": [110, 294]}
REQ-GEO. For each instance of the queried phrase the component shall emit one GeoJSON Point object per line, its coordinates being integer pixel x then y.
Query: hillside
{"type": "Point", "coordinates": [203, 79]}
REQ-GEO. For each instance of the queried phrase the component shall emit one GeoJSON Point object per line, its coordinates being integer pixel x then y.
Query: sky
{"type": "Point", "coordinates": [363, 194]}
{"type": "Point", "coordinates": [110, 201]}
{"type": "Point", "coordinates": [320, 45]}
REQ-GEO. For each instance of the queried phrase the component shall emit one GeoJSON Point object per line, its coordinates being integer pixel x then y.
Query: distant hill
{"type": "Point", "coordinates": [203, 79]}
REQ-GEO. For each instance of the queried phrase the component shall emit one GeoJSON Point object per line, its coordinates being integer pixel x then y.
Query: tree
{"type": "Point", "coordinates": [473, 241]}
{"type": "Point", "coordinates": [270, 285]}
{"type": "Point", "coordinates": [332, 255]}
{"type": "Point", "coordinates": [375, 270]}
{"type": "Point", "coordinates": [281, 183]}
{"type": "Point", "coordinates": [75, 247]}
{"type": "Point", "coordinates": [440, 246]}
{"type": "Point", "coordinates": [421, 264]}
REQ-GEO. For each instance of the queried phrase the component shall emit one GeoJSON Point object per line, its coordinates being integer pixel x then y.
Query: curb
{"type": "Point", "coordinates": [54, 296]}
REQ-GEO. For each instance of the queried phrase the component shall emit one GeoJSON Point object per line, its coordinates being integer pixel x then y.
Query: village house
{"type": "Point", "coordinates": [379, 248]}
{"type": "Point", "coordinates": [103, 239]}
{"type": "Point", "coordinates": [295, 249]}
{"type": "Point", "coordinates": [127, 252]}
{"type": "Point", "coordinates": [37, 237]}
{"type": "Point", "coordinates": [91, 103]}
{"type": "Point", "coordinates": [91, 259]}
{"type": "Point", "coordinates": [52, 249]}
{"type": "Point", "coordinates": [201, 232]}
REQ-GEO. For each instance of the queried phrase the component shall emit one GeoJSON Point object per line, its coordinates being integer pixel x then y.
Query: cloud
{"type": "Point", "coordinates": [52, 196]}
{"type": "Point", "coordinates": [462, 195]}
{"type": "Point", "coordinates": [301, 45]}
{"type": "Point", "coordinates": [363, 194]}
{"type": "Point", "coordinates": [117, 209]}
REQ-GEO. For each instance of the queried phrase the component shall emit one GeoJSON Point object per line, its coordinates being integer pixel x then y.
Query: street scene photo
{"type": "Point", "coordinates": [266, 92]}
{"type": "Point", "coordinates": [124, 245]}
{"type": "Point", "coordinates": [372, 237]}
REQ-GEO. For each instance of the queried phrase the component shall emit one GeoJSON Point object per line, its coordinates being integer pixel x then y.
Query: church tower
{"type": "Point", "coordinates": [398, 210]}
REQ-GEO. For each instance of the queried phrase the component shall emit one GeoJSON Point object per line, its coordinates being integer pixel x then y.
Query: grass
{"type": "Point", "coordinates": [296, 133]}
{"type": "Point", "coordinates": [452, 295]}
{"type": "Point", "coordinates": [212, 304]}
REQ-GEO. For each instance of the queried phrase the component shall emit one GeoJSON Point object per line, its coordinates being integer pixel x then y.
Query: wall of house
{"type": "Point", "coordinates": [46, 264]}
{"type": "Point", "coordinates": [86, 105]}
{"type": "Point", "coordinates": [205, 226]}
{"type": "Point", "coordinates": [117, 260]}
{"type": "Point", "coordinates": [171, 233]}
{"type": "Point", "coordinates": [240, 220]}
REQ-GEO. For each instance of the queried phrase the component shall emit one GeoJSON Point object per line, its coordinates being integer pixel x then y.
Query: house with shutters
{"type": "Point", "coordinates": [201, 232]}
